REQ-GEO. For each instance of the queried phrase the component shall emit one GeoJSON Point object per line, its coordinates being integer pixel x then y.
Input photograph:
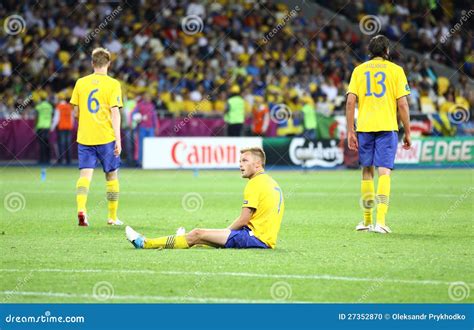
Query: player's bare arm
{"type": "Point", "coordinates": [116, 126]}
{"type": "Point", "coordinates": [243, 219]}
{"type": "Point", "coordinates": [350, 109]}
{"type": "Point", "coordinates": [404, 113]}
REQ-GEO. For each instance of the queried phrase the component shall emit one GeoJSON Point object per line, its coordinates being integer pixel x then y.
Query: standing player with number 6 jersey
{"type": "Point", "coordinates": [380, 87]}
{"type": "Point", "coordinates": [97, 99]}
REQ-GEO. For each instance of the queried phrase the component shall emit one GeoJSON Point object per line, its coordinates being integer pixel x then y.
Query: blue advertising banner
{"type": "Point", "coordinates": [237, 316]}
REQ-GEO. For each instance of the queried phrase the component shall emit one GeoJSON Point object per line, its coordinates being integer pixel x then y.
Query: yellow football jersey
{"type": "Point", "coordinates": [263, 194]}
{"type": "Point", "coordinates": [95, 95]}
{"type": "Point", "coordinates": [378, 84]}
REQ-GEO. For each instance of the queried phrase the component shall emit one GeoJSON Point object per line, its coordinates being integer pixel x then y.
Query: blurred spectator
{"type": "Point", "coordinates": [235, 112]}
{"type": "Point", "coordinates": [323, 106]}
{"type": "Point", "coordinates": [196, 8]}
{"type": "Point", "coordinates": [426, 102]}
{"type": "Point", "coordinates": [192, 71]}
{"type": "Point", "coordinates": [44, 113]}
{"type": "Point", "coordinates": [329, 89]}
{"type": "Point", "coordinates": [439, 30]}
{"type": "Point", "coordinates": [309, 117]}
{"type": "Point", "coordinates": [129, 126]}
{"type": "Point", "coordinates": [448, 103]}
{"type": "Point", "coordinates": [63, 120]}
{"type": "Point", "coordinates": [50, 46]}
{"type": "Point", "coordinates": [147, 120]}
{"type": "Point", "coordinates": [260, 117]}
{"type": "Point", "coordinates": [220, 103]}
{"type": "Point", "coordinates": [414, 98]}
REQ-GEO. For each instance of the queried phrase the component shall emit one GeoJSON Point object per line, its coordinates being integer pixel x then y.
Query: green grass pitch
{"type": "Point", "coordinates": [46, 257]}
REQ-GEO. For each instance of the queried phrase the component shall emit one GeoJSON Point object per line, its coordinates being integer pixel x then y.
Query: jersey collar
{"type": "Point", "coordinates": [258, 173]}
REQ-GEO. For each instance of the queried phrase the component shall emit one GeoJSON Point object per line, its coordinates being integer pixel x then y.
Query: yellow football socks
{"type": "Point", "coordinates": [166, 242]}
{"type": "Point", "coordinates": [368, 195]}
{"type": "Point", "coordinates": [383, 195]}
{"type": "Point", "coordinates": [82, 189]}
{"type": "Point", "coordinates": [112, 198]}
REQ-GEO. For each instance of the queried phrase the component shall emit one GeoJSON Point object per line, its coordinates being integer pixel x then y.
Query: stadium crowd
{"type": "Point", "coordinates": [186, 57]}
{"type": "Point", "coordinates": [440, 30]}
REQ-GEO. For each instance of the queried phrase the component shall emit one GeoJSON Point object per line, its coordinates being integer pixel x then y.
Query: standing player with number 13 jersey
{"type": "Point", "coordinates": [381, 88]}
{"type": "Point", "coordinates": [97, 99]}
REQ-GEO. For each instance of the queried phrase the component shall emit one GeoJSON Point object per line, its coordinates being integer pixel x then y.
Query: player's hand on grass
{"type": "Point", "coordinates": [406, 142]}
{"type": "Point", "coordinates": [352, 140]}
{"type": "Point", "coordinates": [118, 149]}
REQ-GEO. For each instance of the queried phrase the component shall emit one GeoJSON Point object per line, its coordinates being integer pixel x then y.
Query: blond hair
{"type": "Point", "coordinates": [257, 152]}
{"type": "Point", "coordinates": [100, 57]}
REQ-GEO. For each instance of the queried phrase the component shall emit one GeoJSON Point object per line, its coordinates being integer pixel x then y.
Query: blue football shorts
{"type": "Point", "coordinates": [377, 148]}
{"type": "Point", "coordinates": [244, 239]}
{"type": "Point", "coordinates": [89, 156]}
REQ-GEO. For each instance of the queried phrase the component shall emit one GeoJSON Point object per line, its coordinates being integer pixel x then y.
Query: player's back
{"type": "Point", "coordinates": [95, 95]}
{"type": "Point", "coordinates": [265, 222]}
{"type": "Point", "coordinates": [378, 84]}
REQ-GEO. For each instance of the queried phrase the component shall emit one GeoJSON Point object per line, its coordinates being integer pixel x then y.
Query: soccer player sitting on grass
{"type": "Point", "coordinates": [256, 227]}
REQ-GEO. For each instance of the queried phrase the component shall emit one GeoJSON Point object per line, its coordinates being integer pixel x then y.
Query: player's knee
{"type": "Point", "coordinates": [194, 236]}
{"type": "Point", "coordinates": [111, 175]}
{"type": "Point", "coordinates": [86, 173]}
{"type": "Point", "coordinates": [367, 172]}
{"type": "Point", "coordinates": [197, 232]}
{"type": "Point", "coordinates": [384, 171]}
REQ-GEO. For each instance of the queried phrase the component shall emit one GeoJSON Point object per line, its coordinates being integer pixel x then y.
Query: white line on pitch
{"type": "Point", "coordinates": [289, 190]}
{"type": "Point", "coordinates": [147, 298]}
{"type": "Point", "coordinates": [233, 274]}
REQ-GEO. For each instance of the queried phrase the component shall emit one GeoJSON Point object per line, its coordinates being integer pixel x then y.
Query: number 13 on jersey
{"type": "Point", "coordinates": [379, 78]}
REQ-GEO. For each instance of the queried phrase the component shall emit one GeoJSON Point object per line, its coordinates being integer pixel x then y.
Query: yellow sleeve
{"type": "Point", "coordinates": [116, 96]}
{"type": "Point", "coordinates": [402, 84]}
{"type": "Point", "coordinates": [353, 84]}
{"type": "Point", "coordinates": [75, 95]}
{"type": "Point", "coordinates": [250, 196]}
